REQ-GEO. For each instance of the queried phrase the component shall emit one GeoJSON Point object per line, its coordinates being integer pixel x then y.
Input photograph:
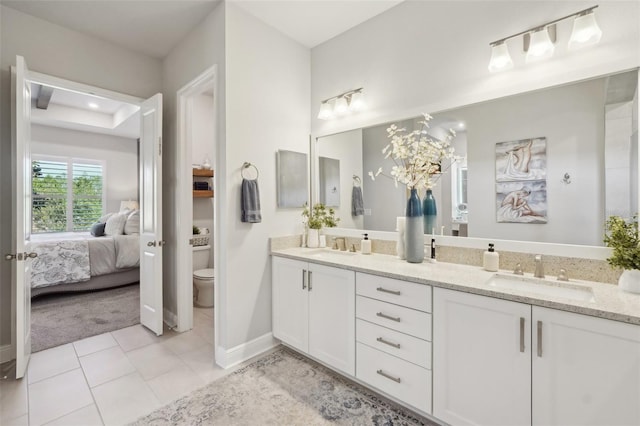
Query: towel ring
{"type": "Point", "coordinates": [357, 180]}
{"type": "Point", "coordinates": [245, 166]}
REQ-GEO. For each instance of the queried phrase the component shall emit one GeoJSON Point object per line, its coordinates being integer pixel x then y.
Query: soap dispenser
{"type": "Point", "coordinates": [491, 259]}
{"type": "Point", "coordinates": [365, 245]}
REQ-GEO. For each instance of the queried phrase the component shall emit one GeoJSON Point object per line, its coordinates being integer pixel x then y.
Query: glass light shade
{"type": "Point", "coordinates": [341, 107]}
{"type": "Point", "coordinates": [540, 46]}
{"type": "Point", "coordinates": [585, 31]}
{"type": "Point", "coordinates": [357, 101]}
{"type": "Point", "coordinates": [326, 111]}
{"type": "Point", "coordinates": [500, 58]}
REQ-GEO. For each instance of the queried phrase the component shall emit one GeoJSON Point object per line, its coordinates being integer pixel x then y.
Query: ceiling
{"type": "Point", "coordinates": [78, 111]}
{"type": "Point", "coordinates": [154, 27]}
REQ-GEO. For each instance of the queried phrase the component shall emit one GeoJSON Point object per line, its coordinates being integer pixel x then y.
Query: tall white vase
{"type": "Point", "coordinates": [629, 281]}
{"type": "Point", "coordinates": [313, 238]}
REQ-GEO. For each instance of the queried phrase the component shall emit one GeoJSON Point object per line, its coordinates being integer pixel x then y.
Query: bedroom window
{"type": "Point", "coordinates": [67, 194]}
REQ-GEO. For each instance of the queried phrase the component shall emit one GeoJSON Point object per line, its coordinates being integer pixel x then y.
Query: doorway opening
{"type": "Point", "coordinates": [197, 243]}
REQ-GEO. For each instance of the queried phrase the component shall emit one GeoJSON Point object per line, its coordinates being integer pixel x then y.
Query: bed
{"type": "Point", "coordinates": [74, 261]}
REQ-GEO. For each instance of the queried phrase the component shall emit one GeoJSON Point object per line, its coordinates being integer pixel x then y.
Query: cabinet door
{"type": "Point", "coordinates": [586, 370]}
{"type": "Point", "coordinates": [290, 302]}
{"type": "Point", "coordinates": [481, 360]}
{"type": "Point", "coordinates": [332, 317]}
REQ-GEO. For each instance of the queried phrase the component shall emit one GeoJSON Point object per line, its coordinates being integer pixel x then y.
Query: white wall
{"type": "Point", "coordinates": [201, 49]}
{"type": "Point", "coordinates": [57, 51]}
{"type": "Point", "coordinates": [347, 148]}
{"type": "Point", "coordinates": [119, 154]}
{"type": "Point", "coordinates": [268, 92]}
{"type": "Point", "coordinates": [427, 56]}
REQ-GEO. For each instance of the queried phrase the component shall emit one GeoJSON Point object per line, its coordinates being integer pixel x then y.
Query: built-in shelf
{"type": "Point", "coordinates": [202, 194]}
{"type": "Point", "coordinates": [202, 173]}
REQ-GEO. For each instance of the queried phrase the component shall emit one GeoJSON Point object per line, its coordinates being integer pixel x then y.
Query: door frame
{"type": "Point", "coordinates": [61, 83]}
{"type": "Point", "coordinates": [183, 211]}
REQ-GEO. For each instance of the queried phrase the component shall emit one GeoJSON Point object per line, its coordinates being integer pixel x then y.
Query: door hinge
{"type": "Point", "coordinates": [160, 146]}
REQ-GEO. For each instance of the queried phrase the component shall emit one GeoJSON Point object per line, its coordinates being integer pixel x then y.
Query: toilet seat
{"type": "Point", "coordinates": [204, 274]}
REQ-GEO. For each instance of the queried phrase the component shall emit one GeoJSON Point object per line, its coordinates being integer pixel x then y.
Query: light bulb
{"type": "Point", "coordinates": [585, 31]}
{"type": "Point", "coordinates": [540, 45]}
{"type": "Point", "coordinates": [357, 101]}
{"type": "Point", "coordinates": [341, 107]}
{"type": "Point", "coordinates": [500, 58]}
{"type": "Point", "coordinates": [326, 111]}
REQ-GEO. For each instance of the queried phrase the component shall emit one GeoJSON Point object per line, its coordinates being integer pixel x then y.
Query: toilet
{"type": "Point", "coordinates": [202, 277]}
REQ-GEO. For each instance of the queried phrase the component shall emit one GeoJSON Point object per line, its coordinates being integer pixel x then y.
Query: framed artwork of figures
{"type": "Point", "coordinates": [521, 185]}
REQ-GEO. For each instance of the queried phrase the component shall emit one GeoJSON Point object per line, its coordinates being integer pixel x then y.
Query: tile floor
{"type": "Point", "coordinates": [113, 378]}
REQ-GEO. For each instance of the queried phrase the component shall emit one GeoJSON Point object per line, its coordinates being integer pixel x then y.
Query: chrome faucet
{"type": "Point", "coordinates": [539, 273]}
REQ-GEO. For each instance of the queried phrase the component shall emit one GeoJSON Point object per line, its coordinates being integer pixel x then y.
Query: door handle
{"type": "Point", "coordinates": [9, 256]}
{"type": "Point", "coordinates": [304, 279]}
{"type": "Point", "coordinates": [388, 376]}
{"type": "Point", "coordinates": [309, 284]}
{"type": "Point", "coordinates": [151, 244]}
{"type": "Point", "coordinates": [32, 255]}
{"type": "Point", "coordinates": [386, 342]}
{"type": "Point", "coordinates": [161, 243]}
{"type": "Point", "coordinates": [384, 290]}
{"type": "Point", "coordinates": [540, 339]}
{"type": "Point", "coordinates": [521, 334]}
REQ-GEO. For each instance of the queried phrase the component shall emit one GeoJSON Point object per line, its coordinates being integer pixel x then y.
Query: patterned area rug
{"type": "Point", "coordinates": [57, 319]}
{"type": "Point", "coordinates": [283, 388]}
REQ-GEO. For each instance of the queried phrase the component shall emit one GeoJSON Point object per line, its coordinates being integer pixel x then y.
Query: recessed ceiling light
{"type": "Point", "coordinates": [93, 105]}
{"type": "Point", "coordinates": [461, 125]}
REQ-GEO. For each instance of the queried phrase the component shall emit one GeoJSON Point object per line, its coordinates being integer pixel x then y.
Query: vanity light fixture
{"type": "Point", "coordinates": [342, 104]}
{"type": "Point", "coordinates": [93, 105]}
{"type": "Point", "coordinates": [539, 41]}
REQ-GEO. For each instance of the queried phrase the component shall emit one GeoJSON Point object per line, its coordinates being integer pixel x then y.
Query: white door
{"type": "Point", "coordinates": [151, 242]}
{"type": "Point", "coordinates": [586, 370]}
{"type": "Point", "coordinates": [290, 302]}
{"type": "Point", "coordinates": [21, 202]}
{"type": "Point", "coordinates": [332, 317]}
{"type": "Point", "coordinates": [481, 360]}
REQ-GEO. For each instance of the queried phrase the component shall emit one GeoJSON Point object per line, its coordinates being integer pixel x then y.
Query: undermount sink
{"type": "Point", "coordinates": [325, 252]}
{"type": "Point", "coordinates": [542, 287]}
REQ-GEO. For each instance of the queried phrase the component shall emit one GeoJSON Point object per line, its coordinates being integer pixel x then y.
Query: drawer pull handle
{"type": "Point", "coordinates": [383, 374]}
{"type": "Point", "coordinates": [386, 342]}
{"type": "Point", "coordinates": [384, 290]}
{"type": "Point", "coordinates": [381, 315]}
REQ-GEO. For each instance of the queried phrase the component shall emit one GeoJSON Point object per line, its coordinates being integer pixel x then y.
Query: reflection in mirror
{"type": "Point", "coordinates": [329, 181]}
{"type": "Point", "coordinates": [591, 131]}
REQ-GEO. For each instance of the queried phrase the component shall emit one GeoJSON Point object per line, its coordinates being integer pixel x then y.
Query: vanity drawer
{"type": "Point", "coordinates": [396, 317]}
{"type": "Point", "coordinates": [412, 295]}
{"type": "Point", "coordinates": [398, 378]}
{"type": "Point", "coordinates": [402, 345]}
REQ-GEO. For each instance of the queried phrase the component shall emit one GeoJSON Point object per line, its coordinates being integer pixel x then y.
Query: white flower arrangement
{"type": "Point", "coordinates": [417, 156]}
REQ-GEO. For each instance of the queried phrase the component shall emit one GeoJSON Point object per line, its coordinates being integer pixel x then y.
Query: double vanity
{"type": "Point", "coordinates": [463, 345]}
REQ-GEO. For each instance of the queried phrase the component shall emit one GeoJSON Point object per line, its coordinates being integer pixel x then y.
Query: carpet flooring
{"type": "Point", "coordinates": [57, 319]}
{"type": "Point", "coordinates": [282, 388]}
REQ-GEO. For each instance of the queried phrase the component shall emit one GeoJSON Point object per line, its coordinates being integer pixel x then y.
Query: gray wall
{"type": "Point", "coordinates": [67, 54]}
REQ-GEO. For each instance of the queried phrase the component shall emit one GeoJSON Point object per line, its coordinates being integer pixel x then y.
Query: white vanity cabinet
{"type": "Point", "coordinates": [501, 362]}
{"type": "Point", "coordinates": [586, 370]}
{"type": "Point", "coordinates": [393, 333]}
{"type": "Point", "coordinates": [481, 360]}
{"type": "Point", "coordinates": [314, 311]}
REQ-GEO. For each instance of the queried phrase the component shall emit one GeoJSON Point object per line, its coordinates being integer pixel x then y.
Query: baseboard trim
{"type": "Point", "coordinates": [7, 353]}
{"type": "Point", "coordinates": [169, 318]}
{"type": "Point", "coordinates": [236, 355]}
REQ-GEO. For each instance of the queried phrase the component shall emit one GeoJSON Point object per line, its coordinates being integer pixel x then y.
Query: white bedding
{"type": "Point", "coordinates": [76, 257]}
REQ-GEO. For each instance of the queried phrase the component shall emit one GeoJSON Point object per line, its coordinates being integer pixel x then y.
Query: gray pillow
{"type": "Point", "coordinates": [132, 225]}
{"type": "Point", "coordinates": [97, 229]}
{"type": "Point", "coordinates": [115, 224]}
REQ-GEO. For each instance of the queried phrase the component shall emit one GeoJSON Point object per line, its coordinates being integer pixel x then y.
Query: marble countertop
{"type": "Point", "coordinates": [608, 301]}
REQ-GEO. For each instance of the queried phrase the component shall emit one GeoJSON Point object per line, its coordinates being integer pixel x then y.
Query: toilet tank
{"type": "Point", "coordinates": [201, 257]}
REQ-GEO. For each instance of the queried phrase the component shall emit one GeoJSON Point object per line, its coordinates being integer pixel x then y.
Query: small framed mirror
{"type": "Point", "coordinates": [293, 179]}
